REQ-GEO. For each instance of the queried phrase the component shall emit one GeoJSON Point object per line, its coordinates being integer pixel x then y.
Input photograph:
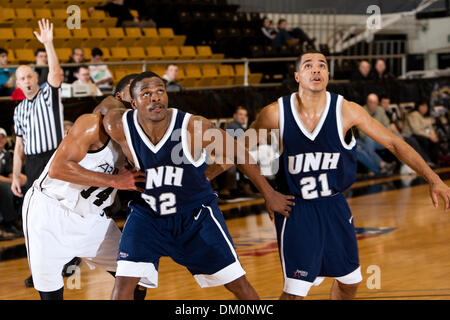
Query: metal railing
{"type": "Point", "coordinates": [245, 61]}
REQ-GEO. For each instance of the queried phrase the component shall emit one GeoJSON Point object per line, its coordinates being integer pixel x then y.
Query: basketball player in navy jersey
{"type": "Point", "coordinates": [63, 212]}
{"type": "Point", "coordinates": [317, 164]}
{"type": "Point", "coordinates": [178, 214]}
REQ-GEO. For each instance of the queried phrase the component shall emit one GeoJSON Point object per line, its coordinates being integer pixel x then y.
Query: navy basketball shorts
{"type": "Point", "coordinates": [197, 239]}
{"type": "Point", "coordinates": [317, 240]}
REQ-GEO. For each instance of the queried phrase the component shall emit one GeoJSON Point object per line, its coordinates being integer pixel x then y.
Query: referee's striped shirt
{"type": "Point", "coordinates": [40, 121]}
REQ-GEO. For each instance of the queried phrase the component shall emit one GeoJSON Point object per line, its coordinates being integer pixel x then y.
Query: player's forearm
{"type": "Point", "coordinates": [54, 69]}
{"type": "Point", "coordinates": [253, 172]}
{"type": "Point", "coordinates": [18, 160]}
{"type": "Point", "coordinates": [72, 172]}
{"type": "Point", "coordinates": [405, 153]}
{"type": "Point", "coordinates": [215, 170]}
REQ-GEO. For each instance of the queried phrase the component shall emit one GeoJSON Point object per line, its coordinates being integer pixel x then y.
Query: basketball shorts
{"type": "Point", "coordinates": [197, 239]}
{"type": "Point", "coordinates": [55, 235]}
{"type": "Point", "coordinates": [317, 240]}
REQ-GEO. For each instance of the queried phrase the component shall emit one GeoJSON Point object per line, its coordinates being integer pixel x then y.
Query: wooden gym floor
{"type": "Point", "coordinates": [398, 230]}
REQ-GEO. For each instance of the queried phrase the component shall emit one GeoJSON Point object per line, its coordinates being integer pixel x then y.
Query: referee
{"type": "Point", "coordinates": [38, 120]}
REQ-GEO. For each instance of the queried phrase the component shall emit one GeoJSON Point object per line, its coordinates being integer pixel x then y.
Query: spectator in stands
{"type": "Point", "coordinates": [363, 72]}
{"type": "Point", "coordinates": [392, 114]}
{"type": "Point", "coordinates": [236, 129]}
{"type": "Point", "coordinates": [76, 57]}
{"type": "Point", "coordinates": [287, 36]}
{"type": "Point", "coordinates": [367, 147]}
{"type": "Point", "coordinates": [100, 74]}
{"type": "Point", "coordinates": [267, 30]}
{"type": "Point", "coordinates": [67, 125]}
{"type": "Point", "coordinates": [171, 77]}
{"type": "Point", "coordinates": [83, 77]}
{"type": "Point", "coordinates": [420, 126]}
{"type": "Point", "coordinates": [397, 128]}
{"type": "Point", "coordinates": [9, 215]}
{"type": "Point", "coordinates": [6, 75]}
{"type": "Point", "coordinates": [380, 72]}
{"type": "Point", "coordinates": [120, 9]}
{"type": "Point", "coordinates": [41, 68]}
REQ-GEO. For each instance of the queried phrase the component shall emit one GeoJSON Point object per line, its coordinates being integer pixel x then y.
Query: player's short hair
{"type": "Point", "coordinates": [124, 82]}
{"type": "Point", "coordinates": [140, 77]}
{"type": "Point", "coordinates": [39, 50]}
{"type": "Point", "coordinates": [83, 66]}
{"type": "Point", "coordinates": [3, 51]}
{"type": "Point", "coordinates": [96, 52]}
{"type": "Point", "coordinates": [308, 51]}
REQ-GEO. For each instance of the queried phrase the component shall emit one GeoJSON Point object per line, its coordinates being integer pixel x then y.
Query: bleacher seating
{"type": "Point", "coordinates": [18, 20]}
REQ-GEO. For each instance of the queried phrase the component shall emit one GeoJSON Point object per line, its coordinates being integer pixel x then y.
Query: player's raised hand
{"type": "Point", "coordinates": [126, 179]}
{"type": "Point", "coordinates": [280, 203]}
{"type": "Point", "coordinates": [440, 189]}
{"type": "Point", "coordinates": [46, 35]}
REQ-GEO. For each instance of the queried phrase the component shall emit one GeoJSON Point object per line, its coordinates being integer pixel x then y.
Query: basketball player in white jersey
{"type": "Point", "coordinates": [318, 239]}
{"type": "Point", "coordinates": [63, 212]}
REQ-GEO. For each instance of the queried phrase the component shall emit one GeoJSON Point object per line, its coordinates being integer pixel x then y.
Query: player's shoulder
{"type": "Point", "coordinates": [88, 120]}
{"type": "Point", "coordinates": [268, 117]}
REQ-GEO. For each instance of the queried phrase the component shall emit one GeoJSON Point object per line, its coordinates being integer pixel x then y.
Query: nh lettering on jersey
{"type": "Point", "coordinates": [167, 175]}
{"type": "Point", "coordinates": [315, 161]}
{"type": "Point", "coordinates": [164, 203]}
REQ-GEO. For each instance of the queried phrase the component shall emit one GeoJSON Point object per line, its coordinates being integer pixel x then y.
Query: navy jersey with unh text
{"type": "Point", "coordinates": [318, 164]}
{"type": "Point", "coordinates": [175, 182]}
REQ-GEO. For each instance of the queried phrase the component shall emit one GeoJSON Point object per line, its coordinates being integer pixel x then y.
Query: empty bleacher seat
{"type": "Point", "coordinates": [171, 52]}
{"type": "Point", "coordinates": [204, 52]}
{"type": "Point", "coordinates": [136, 53]}
{"type": "Point", "coordinates": [187, 53]}
{"type": "Point", "coordinates": [63, 54]}
{"type": "Point", "coordinates": [150, 37]}
{"type": "Point", "coordinates": [119, 54]}
{"type": "Point", "coordinates": [24, 55]}
{"type": "Point", "coordinates": [154, 53]}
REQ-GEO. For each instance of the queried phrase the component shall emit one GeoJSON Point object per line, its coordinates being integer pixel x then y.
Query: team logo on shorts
{"type": "Point", "coordinates": [122, 255]}
{"type": "Point", "coordinates": [300, 273]}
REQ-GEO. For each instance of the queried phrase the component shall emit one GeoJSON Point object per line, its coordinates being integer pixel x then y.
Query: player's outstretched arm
{"type": "Point", "coordinates": [354, 115]}
{"type": "Point", "coordinates": [275, 201]}
{"type": "Point", "coordinates": [74, 147]}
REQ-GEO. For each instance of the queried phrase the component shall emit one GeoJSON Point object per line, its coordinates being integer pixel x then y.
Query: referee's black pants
{"type": "Point", "coordinates": [34, 166]}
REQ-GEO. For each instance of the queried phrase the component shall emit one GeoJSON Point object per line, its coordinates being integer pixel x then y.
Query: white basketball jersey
{"type": "Point", "coordinates": [80, 199]}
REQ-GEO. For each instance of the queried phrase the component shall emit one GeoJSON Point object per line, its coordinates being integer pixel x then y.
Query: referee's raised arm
{"type": "Point", "coordinates": [55, 77]}
{"type": "Point", "coordinates": [38, 119]}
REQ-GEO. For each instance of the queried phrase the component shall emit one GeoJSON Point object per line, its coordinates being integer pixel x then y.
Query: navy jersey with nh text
{"type": "Point", "coordinates": [174, 181]}
{"type": "Point", "coordinates": [316, 164]}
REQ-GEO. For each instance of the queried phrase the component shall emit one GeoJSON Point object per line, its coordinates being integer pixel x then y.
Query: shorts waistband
{"type": "Point", "coordinates": [332, 197]}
